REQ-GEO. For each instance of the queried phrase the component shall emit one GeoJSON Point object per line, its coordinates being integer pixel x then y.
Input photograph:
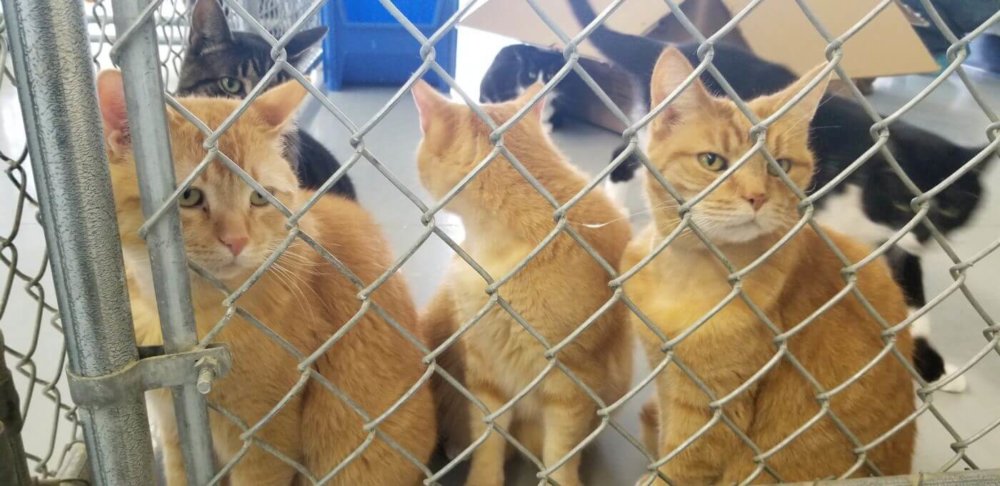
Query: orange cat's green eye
{"type": "Point", "coordinates": [785, 165]}
{"type": "Point", "coordinates": [257, 199]}
{"type": "Point", "coordinates": [713, 161]}
{"type": "Point", "coordinates": [192, 197]}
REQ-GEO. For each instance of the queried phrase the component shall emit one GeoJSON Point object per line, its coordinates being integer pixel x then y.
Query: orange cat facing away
{"type": "Point", "coordinates": [691, 143]}
{"type": "Point", "coordinates": [230, 230]}
{"type": "Point", "coordinates": [558, 290]}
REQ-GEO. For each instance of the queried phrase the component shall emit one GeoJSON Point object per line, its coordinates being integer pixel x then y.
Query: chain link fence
{"type": "Point", "coordinates": [32, 334]}
{"type": "Point", "coordinates": [124, 33]}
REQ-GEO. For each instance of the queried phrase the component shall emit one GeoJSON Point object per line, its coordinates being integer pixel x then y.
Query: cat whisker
{"type": "Point", "coordinates": [292, 281]}
{"type": "Point", "coordinates": [628, 216]}
{"type": "Point", "coordinates": [291, 254]}
{"type": "Point", "coordinates": [294, 257]}
{"type": "Point", "coordinates": [809, 120]}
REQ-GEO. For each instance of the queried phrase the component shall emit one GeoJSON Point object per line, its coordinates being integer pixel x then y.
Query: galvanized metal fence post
{"type": "Point", "coordinates": [136, 51]}
{"type": "Point", "coordinates": [55, 82]}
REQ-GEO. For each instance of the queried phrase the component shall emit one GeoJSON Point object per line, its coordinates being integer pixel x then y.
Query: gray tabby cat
{"type": "Point", "coordinates": [222, 63]}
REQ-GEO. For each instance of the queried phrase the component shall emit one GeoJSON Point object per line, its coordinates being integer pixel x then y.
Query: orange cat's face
{"type": "Point", "coordinates": [698, 137]}
{"type": "Point", "coordinates": [228, 228]}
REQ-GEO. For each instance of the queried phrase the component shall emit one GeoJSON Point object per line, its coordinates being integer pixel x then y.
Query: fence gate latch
{"type": "Point", "coordinates": [152, 371]}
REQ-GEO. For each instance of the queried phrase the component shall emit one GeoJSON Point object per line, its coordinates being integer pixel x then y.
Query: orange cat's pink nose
{"type": "Point", "coordinates": [756, 200]}
{"type": "Point", "coordinates": [235, 243]}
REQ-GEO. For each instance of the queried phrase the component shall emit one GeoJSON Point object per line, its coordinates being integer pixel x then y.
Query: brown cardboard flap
{"type": "Point", "coordinates": [775, 30]}
{"type": "Point", "coordinates": [778, 30]}
{"type": "Point", "coordinates": [517, 19]}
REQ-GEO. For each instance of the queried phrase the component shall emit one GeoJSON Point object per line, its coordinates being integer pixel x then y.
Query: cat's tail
{"type": "Point", "coordinates": [650, 423]}
{"type": "Point", "coordinates": [636, 54]}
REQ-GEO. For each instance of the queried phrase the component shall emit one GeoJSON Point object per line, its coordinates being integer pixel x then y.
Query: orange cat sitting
{"type": "Point", "coordinates": [556, 292]}
{"type": "Point", "coordinates": [229, 230]}
{"type": "Point", "coordinates": [691, 143]}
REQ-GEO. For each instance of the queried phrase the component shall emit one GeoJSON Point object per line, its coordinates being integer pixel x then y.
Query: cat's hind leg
{"type": "Point", "coordinates": [255, 466]}
{"type": "Point", "coordinates": [715, 448]}
{"type": "Point", "coordinates": [333, 433]}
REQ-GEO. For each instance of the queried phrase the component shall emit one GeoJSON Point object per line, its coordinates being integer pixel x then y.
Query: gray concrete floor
{"type": "Point", "coordinates": [611, 460]}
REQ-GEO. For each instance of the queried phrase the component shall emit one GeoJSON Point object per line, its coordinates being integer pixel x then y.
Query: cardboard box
{"type": "Point", "coordinates": [518, 20]}
{"type": "Point", "coordinates": [885, 46]}
{"type": "Point", "coordinates": [775, 30]}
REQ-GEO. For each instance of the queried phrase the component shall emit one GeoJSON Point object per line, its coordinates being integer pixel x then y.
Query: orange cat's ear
{"type": "Point", "coordinates": [277, 106]}
{"type": "Point", "coordinates": [429, 103]}
{"type": "Point", "coordinates": [529, 93]}
{"type": "Point", "coordinates": [805, 109]}
{"type": "Point", "coordinates": [671, 70]}
{"type": "Point", "coordinates": [111, 98]}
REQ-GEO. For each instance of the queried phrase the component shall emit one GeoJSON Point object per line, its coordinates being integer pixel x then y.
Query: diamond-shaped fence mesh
{"type": "Point", "coordinates": [34, 348]}
{"type": "Point", "coordinates": [254, 438]}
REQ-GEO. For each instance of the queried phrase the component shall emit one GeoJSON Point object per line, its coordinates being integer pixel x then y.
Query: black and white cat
{"type": "Point", "coordinates": [871, 204]}
{"type": "Point", "coordinates": [222, 63]}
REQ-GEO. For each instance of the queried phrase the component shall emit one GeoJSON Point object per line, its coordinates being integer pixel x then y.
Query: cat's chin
{"type": "Point", "coordinates": [738, 233]}
{"type": "Point", "coordinates": [230, 272]}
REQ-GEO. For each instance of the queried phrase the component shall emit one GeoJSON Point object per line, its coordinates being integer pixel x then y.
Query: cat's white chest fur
{"type": "Point", "coordinates": [508, 345]}
{"type": "Point", "coordinates": [497, 257]}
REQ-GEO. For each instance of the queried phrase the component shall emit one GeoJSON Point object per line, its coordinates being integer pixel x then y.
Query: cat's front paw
{"type": "Point", "coordinates": [958, 385]}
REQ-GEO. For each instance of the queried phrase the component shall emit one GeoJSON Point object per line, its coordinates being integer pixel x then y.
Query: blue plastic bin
{"type": "Point", "coordinates": [368, 46]}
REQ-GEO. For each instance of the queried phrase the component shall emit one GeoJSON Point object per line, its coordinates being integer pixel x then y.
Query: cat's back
{"type": "Point", "coordinates": [374, 363]}
{"type": "Point", "coordinates": [847, 326]}
{"type": "Point", "coordinates": [601, 221]}
{"type": "Point", "coordinates": [834, 347]}
{"type": "Point", "coordinates": [874, 279]}
{"type": "Point", "coordinates": [352, 235]}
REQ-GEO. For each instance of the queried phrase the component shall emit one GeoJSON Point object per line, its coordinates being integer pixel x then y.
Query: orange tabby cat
{"type": "Point", "coordinates": [691, 143]}
{"type": "Point", "coordinates": [229, 230]}
{"type": "Point", "coordinates": [556, 292]}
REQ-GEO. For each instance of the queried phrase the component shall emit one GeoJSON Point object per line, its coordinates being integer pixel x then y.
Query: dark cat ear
{"type": "Point", "coordinates": [111, 98]}
{"type": "Point", "coordinates": [277, 106]}
{"type": "Point", "coordinates": [302, 41]}
{"type": "Point", "coordinates": [805, 109]}
{"type": "Point", "coordinates": [671, 70]}
{"type": "Point", "coordinates": [429, 103]}
{"type": "Point", "coordinates": [208, 26]}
